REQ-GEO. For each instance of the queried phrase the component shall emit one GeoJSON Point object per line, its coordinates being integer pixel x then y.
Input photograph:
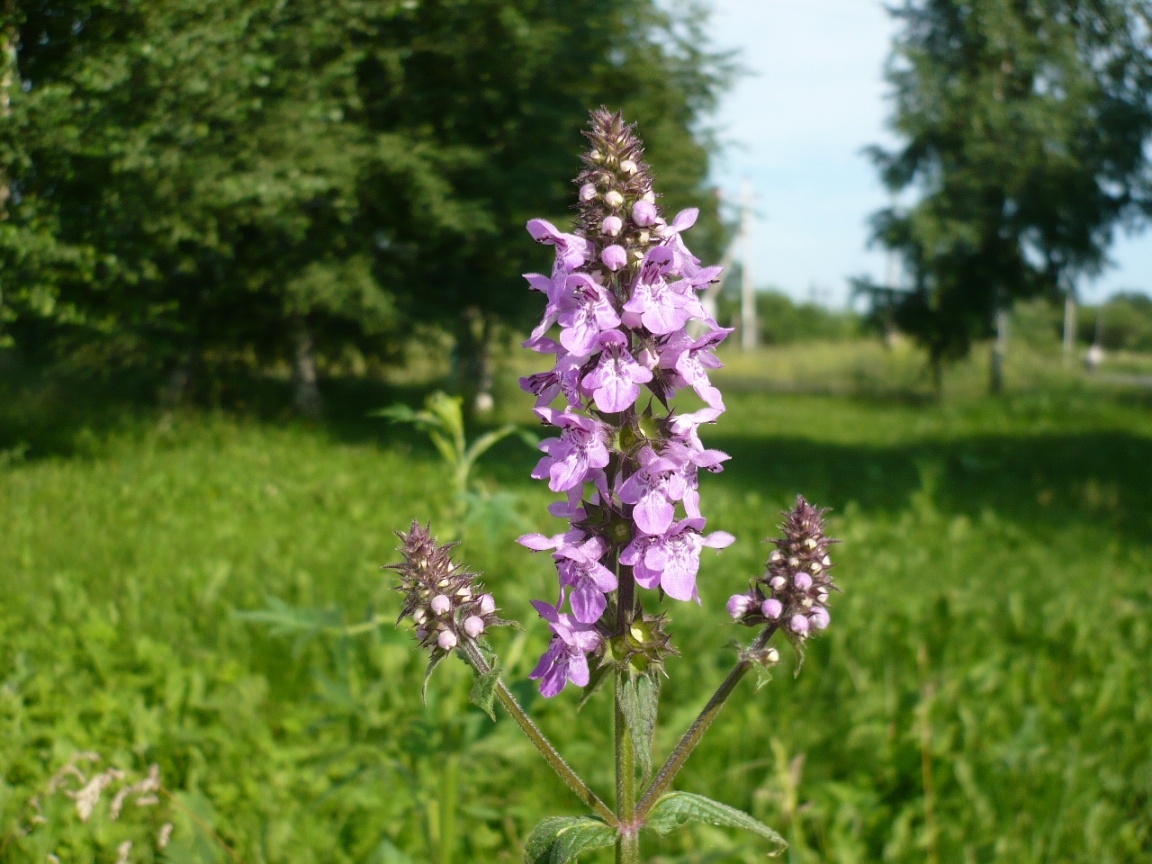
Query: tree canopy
{"type": "Point", "coordinates": [1025, 126]}
{"type": "Point", "coordinates": [218, 177]}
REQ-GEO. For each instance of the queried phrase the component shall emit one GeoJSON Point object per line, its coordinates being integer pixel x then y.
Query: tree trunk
{"type": "Point", "coordinates": [176, 384]}
{"type": "Point", "coordinates": [8, 75]}
{"type": "Point", "coordinates": [999, 343]}
{"type": "Point", "coordinates": [472, 361]}
{"type": "Point", "coordinates": [306, 394]}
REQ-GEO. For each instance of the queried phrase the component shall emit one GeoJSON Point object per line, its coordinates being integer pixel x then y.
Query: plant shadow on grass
{"type": "Point", "coordinates": [47, 413]}
{"type": "Point", "coordinates": [1044, 481]}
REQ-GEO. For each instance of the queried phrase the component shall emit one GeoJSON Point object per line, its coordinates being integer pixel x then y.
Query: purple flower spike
{"type": "Point", "coordinates": [614, 383]}
{"type": "Point", "coordinates": [623, 290]}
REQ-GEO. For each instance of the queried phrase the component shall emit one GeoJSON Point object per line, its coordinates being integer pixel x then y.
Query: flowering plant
{"type": "Point", "coordinates": [619, 302]}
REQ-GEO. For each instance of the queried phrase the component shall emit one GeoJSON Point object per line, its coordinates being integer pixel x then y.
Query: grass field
{"type": "Point", "coordinates": [984, 692]}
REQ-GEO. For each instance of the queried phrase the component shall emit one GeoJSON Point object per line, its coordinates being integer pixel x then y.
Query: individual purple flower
{"type": "Point", "coordinates": [653, 304]}
{"type": "Point", "coordinates": [585, 313]}
{"type": "Point", "coordinates": [614, 383]}
{"type": "Point", "coordinates": [672, 560]}
{"type": "Point", "coordinates": [578, 451]}
{"type": "Point", "coordinates": [652, 490]}
{"type": "Point", "coordinates": [692, 360]}
{"type": "Point", "coordinates": [572, 250]}
{"type": "Point", "coordinates": [567, 656]}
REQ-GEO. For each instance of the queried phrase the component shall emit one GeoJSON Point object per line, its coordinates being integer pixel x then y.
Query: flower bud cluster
{"type": "Point", "coordinates": [445, 602]}
{"type": "Point", "coordinates": [622, 291]}
{"type": "Point", "coordinates": [793, 592]}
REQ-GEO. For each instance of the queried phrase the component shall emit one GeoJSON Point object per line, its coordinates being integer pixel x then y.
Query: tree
{"type": "Point", "coordinates": [280, 180]}
{"type": "Point", "coordinates": [1025, 125]}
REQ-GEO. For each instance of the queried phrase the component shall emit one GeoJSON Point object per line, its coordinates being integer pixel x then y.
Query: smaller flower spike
{"type": "Point", "coordinates": [445, 602]}
{"type": "Point", "coordinates": [793, 592]}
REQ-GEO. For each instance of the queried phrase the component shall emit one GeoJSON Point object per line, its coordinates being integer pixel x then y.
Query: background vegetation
{"type": "Point", "coordinates": [977, 698]}
{"type": "Point", "coordinates": [211, 215]}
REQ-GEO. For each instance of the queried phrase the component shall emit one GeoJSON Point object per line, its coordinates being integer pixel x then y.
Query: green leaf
{"type": "Point", "coordinates": [677, 809]}
{"type": "Point", "coordinates": [559, 839]}
{"type": "Point", "coordinates": [486, 441]}
{"type": "Point", "coordinates": [641, 697]}
{"type": "Point", "coordinates": [596, 681]}
{"type": "Point", "coordinates": [484, 691]}
{"type": "Point", "coordinates": [435, 660]}
{"type": "Point", "coordinates": [284, 619]}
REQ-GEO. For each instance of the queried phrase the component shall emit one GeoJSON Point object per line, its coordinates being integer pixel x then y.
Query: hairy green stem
{"type": "Point", "coordinates": [550, 754]}
{"type": "Point", "coordinates": [691, 738]}
{"type": "Point", "coordinates": [628, 840]}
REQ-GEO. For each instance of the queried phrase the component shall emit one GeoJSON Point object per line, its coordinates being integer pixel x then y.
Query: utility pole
{"type": "Point", "coordinates": [1069, 327]}
{"type": "Point", "coordinates": [749, 332]}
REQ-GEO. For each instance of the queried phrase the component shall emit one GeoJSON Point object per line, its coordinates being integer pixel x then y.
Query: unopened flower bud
{"type": "Point", "coordinates": [799, 625]}
{"type": "Point", "coordinates": [612, 226]}
{"type": "Point", "coordinates": [629, 167]}
{"type": "Point", "coordinates": [648, 357]}
{"type": "Point", "coordinates": [649, 196]}
{"type": "Point", "coordinates": [772, 608]}
{"type": "Point", "coordinates": [614, 257]}
{"type": "Point", "coordinates": [446, 640]}
{"type": "Point", "coordinates": [643, 213]}
{"type": "Point", "coordinates": [738, 605]}
{"type": "Point", "coordinates": [440, 604]}
{"type": "Point", "coordinates": [819, 617]}
{"type": "Point", "coordinates": [419, 616]}
{"type": "Point", "coordinates": [776, 583]}
{"type": "Point", "coordinates": [613, 198]}
{"type": "Point", "coordinates": [487, 604]}
{"type": "Point", "coordinates": [587, 192]}
{"type": "Point", "coordinates": [473, 625]}
{"type": "Point", "coordinates": [802, 581]}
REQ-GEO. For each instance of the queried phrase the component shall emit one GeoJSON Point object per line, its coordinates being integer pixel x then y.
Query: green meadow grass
{"type": "Point", "coordinates": [984, 692]}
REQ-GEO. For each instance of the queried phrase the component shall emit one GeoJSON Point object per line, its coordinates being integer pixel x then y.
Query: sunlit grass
{"type": "Point", "coordinates": [980, 695]}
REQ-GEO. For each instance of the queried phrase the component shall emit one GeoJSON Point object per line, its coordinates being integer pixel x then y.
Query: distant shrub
{"type": "Point", "coordinates": [1123, 323]}
{"type": "Point", "coordinates": [781, 320]}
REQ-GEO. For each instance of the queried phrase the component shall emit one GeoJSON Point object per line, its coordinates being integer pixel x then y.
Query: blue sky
{"type": "Point", "coordinates": [795, 125]}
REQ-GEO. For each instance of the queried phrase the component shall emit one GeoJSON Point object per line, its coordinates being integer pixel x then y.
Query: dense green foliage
{"type": "Point", "coordinates": [979, 695]}
{"type": "Point", "coordinates": [1024, 130]}
{"type": "Point", "coordinates": [252, 178]}
{"type": "Point", "coordinates": [1124, 323]}
{"type": "Point", "coordinates": [783, 320]}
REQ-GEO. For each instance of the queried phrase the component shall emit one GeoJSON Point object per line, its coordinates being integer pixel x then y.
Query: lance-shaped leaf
{"type": "Point", "coordinates": [640, 698]}
{"type": "Point", "coordinates": [484, 690]}
{"type": "Point", "coordinates": [677, 809]}
{"type": "Point", "coordinates": [559, 839]}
